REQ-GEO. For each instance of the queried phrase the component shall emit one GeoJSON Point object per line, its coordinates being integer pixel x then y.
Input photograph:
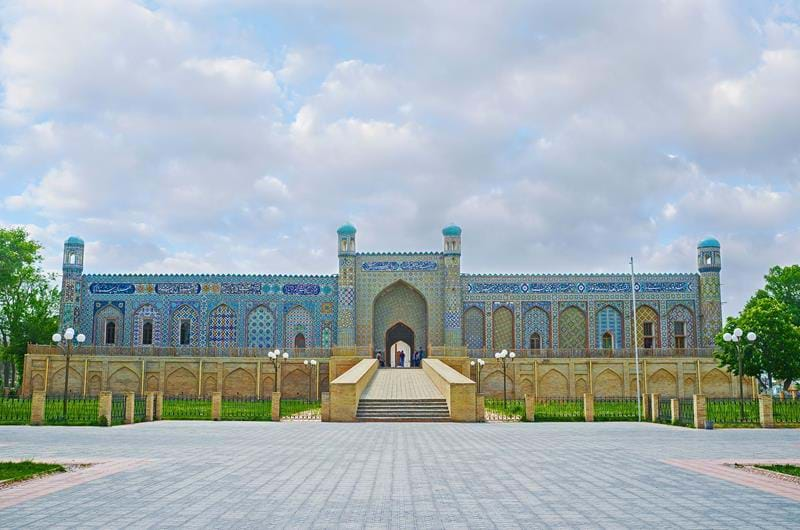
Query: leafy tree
{"type": "Point", "coordinates": [783, 284]}
{"type": "Point", "coordinates": [28, 299]}
{"type": "Point", "coordinates": [775, 352]}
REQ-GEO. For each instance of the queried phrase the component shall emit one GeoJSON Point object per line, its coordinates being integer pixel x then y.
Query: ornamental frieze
{"type": "Point", "coordinates": [393, 266]}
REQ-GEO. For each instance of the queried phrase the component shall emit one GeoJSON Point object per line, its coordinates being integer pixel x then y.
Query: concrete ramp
{"type": "Point", "coordinates": [402, 394]}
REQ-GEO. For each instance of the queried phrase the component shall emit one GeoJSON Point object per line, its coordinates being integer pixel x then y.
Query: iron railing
{"type": "Point", "coordinates": [558, 409]}
{"type": "Point", "coordinates": [498, 410]}
{"type": "Point", "coordinates": [186, 408]}
{"type": "Point", "coordinates": [664, 410]}
{"type": "Point", "coordinates": [80, 410]}
{"type": "Point", "coordinates": [180, 351]}
{"type": "Point", "coordinates": [139, 409]}
{"type": "Point", "coordinates": [726, 411]}
{"type": "Point", "coordinates": [615, 409]}
{"type": "Point", "coordinates": [119, 406]}
{"type": "Point", "coordinates": [786, 411]}
{"type": "Point", "coordinates": [597, 353]}
{"type": "Point", "coordinates": [246, 409]}
{"type": "Point", "coordinates": [15, 411]}
{"type": "Point", "coordinates": [300, 409]}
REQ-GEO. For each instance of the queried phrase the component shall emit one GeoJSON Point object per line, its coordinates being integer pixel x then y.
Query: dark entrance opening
{"type": "Point", "coordinates": [399, 333]}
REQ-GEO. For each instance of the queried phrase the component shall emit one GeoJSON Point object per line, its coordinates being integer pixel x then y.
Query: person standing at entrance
{"type": "Point", "coordinates": [415, 359]}
{"type": "Point", "coordinates": [402, 358]}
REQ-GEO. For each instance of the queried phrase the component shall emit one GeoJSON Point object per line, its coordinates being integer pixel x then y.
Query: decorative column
{"type": "Point", "coordinates": [453, 334]}
{"type": "Point", "coordinates": [72, 269]}
{"type": "Point", "coordinates": [346, 320]}
{"type": "Point", "coordinates": [709, 264]}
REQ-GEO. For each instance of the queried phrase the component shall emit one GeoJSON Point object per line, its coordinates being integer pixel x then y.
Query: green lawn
{"type": "Point", "coordinates": [291, 407]}
{"type": "Point", "coordinates": [80, 411]}
{"type": "Point", "coordinates": [515, 408]}
{"type": "Point", "coordinates": [246, 410]}
{"type": "Point", "coordinates": [558, 410]}
{"type": "Point", "coordinates": [615, 410]}
{"type": "Point", "coordinates": [186, 409]}
{"type": "Point", "coordinates": [14, 471]}
{"type": "Point", "coordinates": [786, 469]}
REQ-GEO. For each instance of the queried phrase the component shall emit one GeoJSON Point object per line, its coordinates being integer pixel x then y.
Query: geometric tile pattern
{"type": "Point", "coordinates": [260, 328]}
{"type": "Point", "coordinates": [222, 327]}
{"type": "Point", "coordinates": [572, 329]}
{"type": "Point", "coordinates": [680, 313]}
{"type": "Point", "coordinates": [185, 312]}
{"type": "Point", "coordinates": [474, 328]}
{"type": "Point", "coordinates": [502, 329]}
{"type": "Point", "coordinates": [537, 321]}
{"type": "Point", "coordinates": [645, 313]}
{"type": "Point", "coordinates": [146, 312]}
{"type": "Point", "coordinates": [399, 302]}
{"type": "Point", "coordinates": [109, 313]}
{"type": "Point", "coordinates": [609, 320]}
{"type": "Point", "coordinates": [299, 322]}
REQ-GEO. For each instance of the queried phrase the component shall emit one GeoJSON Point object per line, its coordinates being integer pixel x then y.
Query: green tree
{"type": "Point", "coordinates": [28, 299]}
{"type": "Point", "coordinates": [783, 284]}
{"type": "Point", "coordinates": [775, 352]}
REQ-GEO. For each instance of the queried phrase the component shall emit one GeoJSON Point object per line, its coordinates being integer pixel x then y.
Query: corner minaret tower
{"type": "Point", "coordinates": [72, 269]}
{"type": "Point", "coordinates": [452, 287]}
{"type": "Point", "coordinates": [709, 265]}
{"type": "Point", "coordinates": [346, 323]}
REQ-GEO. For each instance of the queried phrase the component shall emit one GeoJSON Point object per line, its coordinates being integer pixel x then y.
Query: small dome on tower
{"type": "Point", "coordinates": [708, 242]}
{"type": "Point", "coordinates": [451, 230]}
{"type": "Point", "coordinates": [346, 229]}
{"type": "Point", "coordinates": [74, 240]}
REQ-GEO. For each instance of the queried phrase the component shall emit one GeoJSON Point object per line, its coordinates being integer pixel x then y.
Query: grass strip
{"type": "Point", "coordinates": [15, 471]}
{"type": "Point", "coordinates": [786, 469]}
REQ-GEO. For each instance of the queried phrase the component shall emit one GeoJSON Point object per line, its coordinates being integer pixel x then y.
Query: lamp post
{"type": "Point", "coordinates": [478, 365]}
{"type": "Point", "coordinates": [736, 339]}
{"type": "Point", "coordinates": [312, 364]}
{"type": "Point", "coordinates": [275, 358]}
{"type": "Point", "coordinates": [503, 356]}
{"type": "Point", "coordinates": [65, 344]}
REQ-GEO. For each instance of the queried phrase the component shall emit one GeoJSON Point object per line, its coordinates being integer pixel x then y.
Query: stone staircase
{"type": "Point", "coordinates": [402, 394]}
{"type": "Point", "coordinates": [430, 409]}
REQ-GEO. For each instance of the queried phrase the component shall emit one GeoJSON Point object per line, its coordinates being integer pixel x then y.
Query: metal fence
{"type": "Point", "coordinates": [558, 409]}
{"type": "Point", "coordinates": [615, 409]}
{"type": "Point", "coordinates": [139, 409]}
{"type": "Point", "coordinates": [186, 408]}
{"type": "Point", "coordinates": [726, 411]}
{"type": "Point", "coordinates": [80, 410]}
{"type": "Point", "coordinates": [246, 408]}
{"type": "Point", "coordinates": [786, 411]}
{"type": "Point", "coordinates": [119, 406]}
{"type": "Point", "coordinates": [301, 409]}
{"type": "Point", "coordinates": [499, 410]}
{"type": "Point", "coordinates": [686, 411]}
{"type": "Point", "coordinates": [179, 351]}
{"type": "Point", "coordinates": [15, 411]}
{"type": "Point", "coordinates": [597, 353]}
{"type": "Point", "coordinates": [664, 410]}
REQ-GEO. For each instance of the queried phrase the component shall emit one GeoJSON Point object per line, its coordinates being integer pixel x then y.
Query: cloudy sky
{"type": "Point", "coordinates": [235, 136]}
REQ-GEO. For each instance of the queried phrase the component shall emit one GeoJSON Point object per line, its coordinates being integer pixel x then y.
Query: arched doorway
{"type": "Point", "coordinates": [399, 338]}
{"type": "Point", "coordinates": [399, 303]}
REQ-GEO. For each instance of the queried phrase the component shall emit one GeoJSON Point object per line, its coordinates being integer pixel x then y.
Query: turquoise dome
{"type": "Point", "coordinates": [73, 240]}
{"type": "Point", "coordinates": [708, 242]}
{"type": "Point", "coordinates": [451, 230]}
{"type": "Point", "coordinates": [346, 230]}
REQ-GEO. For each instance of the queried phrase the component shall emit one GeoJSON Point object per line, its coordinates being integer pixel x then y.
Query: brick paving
{"type": "Point", "coordinates": [320, 475]}
{"type": "Point", "coordinates": [401, 383]}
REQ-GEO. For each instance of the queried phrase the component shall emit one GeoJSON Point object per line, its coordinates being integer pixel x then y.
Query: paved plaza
{"type": "Point", "coordinates": [322, 475]}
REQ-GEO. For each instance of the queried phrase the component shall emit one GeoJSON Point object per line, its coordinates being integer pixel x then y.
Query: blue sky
{"type": "Point", "coordinates": [197, 135]}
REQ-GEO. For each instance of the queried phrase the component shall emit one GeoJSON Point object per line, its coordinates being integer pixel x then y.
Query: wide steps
{"type": "Point", "coordinates": [403, 410]}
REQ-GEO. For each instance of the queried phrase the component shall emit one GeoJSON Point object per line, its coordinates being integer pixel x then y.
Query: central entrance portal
{"type": "Point", "coordinates": [399, 338]}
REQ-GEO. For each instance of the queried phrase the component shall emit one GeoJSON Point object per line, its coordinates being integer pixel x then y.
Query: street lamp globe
{"type": "Point", "coordinates": [285, 355]}
{"type": "Point", "coordinates": [81, 338]}
{"type": "Point", "coordinates": [727, 337]}
{"type": "Point", "coordinates": [481, 362]}
{"type": "Point", "coordinates": [751, 336]}
{"type": "Point", "coordinates": [69, 333]}
{"type": "Point", "coordinates": [497, 355]}
{"type": "Point", "coordinates": [738, 332]}
{"type": "Point", "coordinates": [56, 337]}
{"type": "Point", "coordinates": [313, 362]}
{"type": "Point", "coordinates": [512, 355]}
{"type": "Point", "coordinates": [472, 363]}
{"type": "Point", "coordinates": [305, 362]}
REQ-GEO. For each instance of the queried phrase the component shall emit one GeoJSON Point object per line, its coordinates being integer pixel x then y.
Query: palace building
{"type": "Point", "coordinates": [391, 301]}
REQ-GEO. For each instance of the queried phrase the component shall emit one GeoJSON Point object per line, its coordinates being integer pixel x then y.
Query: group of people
{"type": "Point", "coordinates": [416, 359]}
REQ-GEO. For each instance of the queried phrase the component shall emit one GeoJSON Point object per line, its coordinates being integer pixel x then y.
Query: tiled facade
{"type": "Point", "coordinates": [426, 291]}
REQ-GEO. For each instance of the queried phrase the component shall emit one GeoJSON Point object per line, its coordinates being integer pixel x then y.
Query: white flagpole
{"type": "Point", "coordinates": [636, 344]}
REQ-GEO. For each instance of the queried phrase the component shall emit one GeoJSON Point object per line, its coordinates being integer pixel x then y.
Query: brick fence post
{"type": "Point", "coordinates": [216, 405]}
{"type": "Point", "coordinates": [149, 405]}
{"type": "Point", "coordinates": [480, 407]}
{"type": "Point", "coordinates": [765, 411]}
{"type": "Point", "coordinates": [159, 409]}
{"type": "Point", "coordinates": [675, 410]}
{"type": "Point", "coordinates": [645, 407]}
{"type": "Point", "coordinates": [588, 407]}
{"type": "Point", "coordinates": [276, 406]}
{"type": "Point", "coordinates": [699, 406]}
{"type": "Point", "coordinates": [793, 394]}
{"type": "Point", "coordinates": [655, 406]}
{"type": "Point", "coordinates": [325, 404]}
{"type": "Point", "coordinates": [104, 408]}
{"type": "Point", "coordinates": [530, 407]}
{"type": "Point", "coordinates": [37, 407]}
{"type": "Point", "coordinates": [130, 403]}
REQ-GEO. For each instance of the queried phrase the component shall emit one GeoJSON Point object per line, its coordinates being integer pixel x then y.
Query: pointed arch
{"type": "Point", "coordinates": [298, 321]}
{"type": "Point", "coordinates": [553, 384]}
{"type": "Point", "coordinates": [239, 382]}
{"type": "Point", "coordinates": [537, 321]}
{"type": "Point", "coordinates": [572, 329]}
{"type": "Point", "coordinates": [680, 319]}
{"type": "Point", "coordinates": [185, 326]}
{"type": "Point", "coordinates": [260, 327]}
{"type": "Point", "coordinates": [181, 382]}
{"type": "Point", "coordinates": [124, 380]}
{"type": "Point", "coordinates": [502, 329]}
{"type": "Point", "coordinates": [608, 384]}
{"type": "Point", "coordinates": [662, 382]}
{"type": "Point", "coordinates": [609, 325]}
{"type": "Point", "coordinates": [474, 329]}
{"type": "Point", "coordinates": [109, 314]}
{"type": "Point", "coordinates": [648, 327]}
{"type": "Point", "coordinates": [144, 314]}
{"type": "Point", "coordinates": [222, 327]}
{"type": "Point", "coordinates": [399, 302]}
